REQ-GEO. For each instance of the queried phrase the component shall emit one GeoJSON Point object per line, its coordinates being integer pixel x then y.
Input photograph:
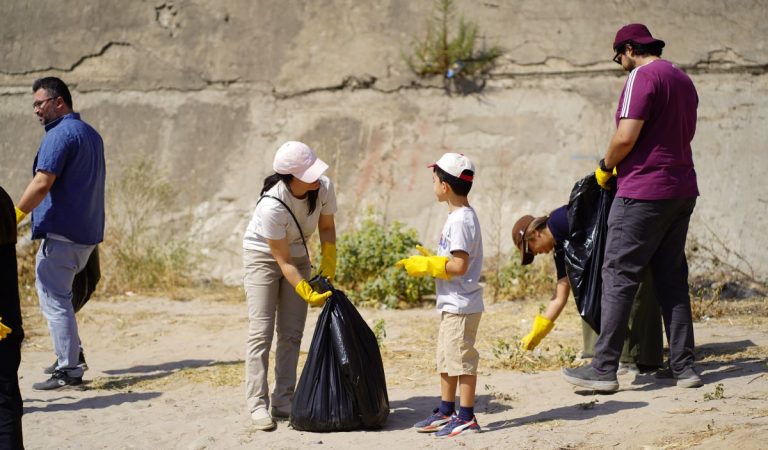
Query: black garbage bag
{"type": "Point", "coordinates": [86, 280]}
{"type": "Point", "coordinates": [588, 209]}
{"type": "Point", "coordinates": [342, 386]}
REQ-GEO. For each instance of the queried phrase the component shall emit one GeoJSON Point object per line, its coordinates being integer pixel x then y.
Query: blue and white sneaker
{"type": "Point", "coordinates": [457, 426]}
{"type": "Point", "coordinates": [433, 423]}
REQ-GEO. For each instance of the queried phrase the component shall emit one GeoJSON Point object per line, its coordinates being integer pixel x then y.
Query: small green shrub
{"type": "Point", "coordinates": [438, 53]}
{"type": "Point", "coordinates": [366, 260]}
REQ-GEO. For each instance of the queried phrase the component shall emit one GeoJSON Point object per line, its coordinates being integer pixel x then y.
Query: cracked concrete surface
{"type": "Point", "coordinates": [208, 89]}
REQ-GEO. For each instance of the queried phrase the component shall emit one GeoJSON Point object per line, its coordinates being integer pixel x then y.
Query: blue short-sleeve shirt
{"type": "Point", "coordinates": [74, 207]}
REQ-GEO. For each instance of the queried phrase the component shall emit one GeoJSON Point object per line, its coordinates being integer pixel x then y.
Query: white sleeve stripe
{"type": "Point", "coordinates": [628, 94]}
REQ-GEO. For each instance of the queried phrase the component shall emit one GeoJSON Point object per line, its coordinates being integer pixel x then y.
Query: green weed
{"type": "Point", "coordinates": [438, 52]}
{"type": "Point", "coordinates": [717, 394]}
{"type": "Point", "coordinates": [509, 355]}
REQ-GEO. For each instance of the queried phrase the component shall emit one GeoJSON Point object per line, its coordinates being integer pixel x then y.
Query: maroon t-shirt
{"type": "Point", "coordinates": [660, 165]}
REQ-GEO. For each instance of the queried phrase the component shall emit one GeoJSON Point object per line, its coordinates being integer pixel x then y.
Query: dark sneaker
{"type": "Point", "coordinates": [435, 422]}
{"type": "Point", "coordinates": [81, 364]}
{"type": "Point", "coordinates": [588, 377]}
{"type": "Point", "coordinates": [58, 380]}
{"type": "Point", "coordinates": [687, 379]}
{"type": "Point", "coordinates": [457, 426]}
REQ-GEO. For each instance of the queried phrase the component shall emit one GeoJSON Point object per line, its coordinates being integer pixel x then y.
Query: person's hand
{"type": "Point", "coordinates": [311, 296]}
{"type": "Point", "coordinates": [425, 264]}
{"type": "Point", "coordinates": [20, 215]}
{"type": "Point", "coordinates": [603, 176]}
{"type": "Point", "coordinates": [328, 260]}
{"type": "Point", "coordinates": [4, 330]}
{"type": "Point", "coordinates": [541, 327]}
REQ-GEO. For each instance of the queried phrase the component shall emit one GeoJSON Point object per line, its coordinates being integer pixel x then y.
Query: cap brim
{"type": "Point", "coordinates": [527, 259]}
{"type": "Point", "coordinates": [527, 256]}
{"type": "Point", "coordinates": [313, 172]}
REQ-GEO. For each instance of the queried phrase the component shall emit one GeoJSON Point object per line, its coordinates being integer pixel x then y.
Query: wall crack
{"type": "Point", "coordinates": [74, 65]}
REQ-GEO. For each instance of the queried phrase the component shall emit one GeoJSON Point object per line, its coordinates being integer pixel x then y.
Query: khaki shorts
{"type": "Point", "coordinates": [456, 353]}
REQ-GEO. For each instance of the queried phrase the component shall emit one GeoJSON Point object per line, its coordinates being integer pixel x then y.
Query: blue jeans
{"type": "Point", "coordinates": [57, 263]}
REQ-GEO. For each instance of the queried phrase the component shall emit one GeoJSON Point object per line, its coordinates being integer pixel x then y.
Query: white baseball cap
{"type": "Point", "coordinates": [455, 164]}
{"type": "Point", "coordinates": [297, 159]}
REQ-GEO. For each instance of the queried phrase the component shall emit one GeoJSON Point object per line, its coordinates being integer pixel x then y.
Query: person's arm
{"type": "Point", "coordinates": [544, 323]}
{"type": "Point", "coordinates": [557, 304]}
{"type": "Point", "coordinates": [281, 252]}
{"type": "Point", "coordinates": [36, 191]}
{"type": "Point", "coordinates": [457, 264]}
{"type": "Point", "coordinates": [622, 141]}
{"type": "Point", "coordinates": [326, 228]}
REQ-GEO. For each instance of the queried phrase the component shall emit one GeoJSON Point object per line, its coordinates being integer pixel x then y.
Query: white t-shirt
{"type": "Point", "coordinates": [272, 221]}
{"type": "Point", "coordinates": [462, 294]}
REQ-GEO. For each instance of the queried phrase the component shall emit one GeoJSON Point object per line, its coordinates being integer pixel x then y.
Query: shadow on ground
{"type": "Point", "coordinates": [715, 362]}
{"type": "Point", "coordinates": [124, 380]}
{"type": "Point", "coordinates": [580, 411]}
{"type": "Point", "coordinates": [165, 367]}
{"type": "Point", "coordinates": [100, 402]}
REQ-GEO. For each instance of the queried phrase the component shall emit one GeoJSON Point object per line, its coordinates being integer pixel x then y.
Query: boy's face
{"type": "Point", "coordinates": [440, 188]}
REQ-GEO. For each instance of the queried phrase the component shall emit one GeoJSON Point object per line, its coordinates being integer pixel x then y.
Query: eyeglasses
{"type": "Point", "coordinates": [39, 104]}
{"type": "Point", "coordinates": [617, 58]}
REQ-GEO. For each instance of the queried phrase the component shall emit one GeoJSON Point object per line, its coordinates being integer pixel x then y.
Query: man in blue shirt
{"type": "Point", "coordinates": [66, 199]}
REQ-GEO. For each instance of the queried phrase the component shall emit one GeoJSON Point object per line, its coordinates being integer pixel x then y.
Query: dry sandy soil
{"type": "Point", "coordinates": [168, 373]}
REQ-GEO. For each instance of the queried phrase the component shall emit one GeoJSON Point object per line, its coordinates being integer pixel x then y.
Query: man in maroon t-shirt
{"type": "Point", "coordinates": [648, 223]}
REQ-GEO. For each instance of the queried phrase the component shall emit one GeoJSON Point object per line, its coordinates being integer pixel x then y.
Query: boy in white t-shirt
{"type": "Point", "coordinates": [456, 268]}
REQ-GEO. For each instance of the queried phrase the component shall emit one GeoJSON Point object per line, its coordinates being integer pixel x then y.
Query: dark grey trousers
{"type": "Point", "coordinates": [646, 233]}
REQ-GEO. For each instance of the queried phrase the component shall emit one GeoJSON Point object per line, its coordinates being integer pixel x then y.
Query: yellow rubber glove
{"type": "Point", "coordinates": [420, 265]}
{"type": "Point", "coordinates": [310, 296]}
{"type": "Point", "coordinates": [603, 177]}
{"type": "Point", "coordinates": [20, 215]}
{"type": "Point", "coordinates": [541, 327]}
{"type": "Point", "coordinates": [4, 331]}
{"type": "Point", "coordinates": [328, 260]}
{"type": "Point", "coordinates": [424, 251]}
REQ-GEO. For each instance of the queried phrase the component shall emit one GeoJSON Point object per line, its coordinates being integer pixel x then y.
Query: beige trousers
{"type": "Point", "coordinates": [272, 305]}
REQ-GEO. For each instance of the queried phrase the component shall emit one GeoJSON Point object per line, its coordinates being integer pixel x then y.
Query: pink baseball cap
{"type": "Point", "coordinates": [297, 159]}
{"type": "Point", "coordinates": [455, 164]}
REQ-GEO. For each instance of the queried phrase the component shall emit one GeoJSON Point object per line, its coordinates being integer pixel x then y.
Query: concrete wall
{"type": "Point", "coordinates": [209, 89]}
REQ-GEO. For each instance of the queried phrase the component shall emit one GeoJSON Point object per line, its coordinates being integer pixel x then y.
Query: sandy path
{"type": "Point", "coordinates": [168, 374]}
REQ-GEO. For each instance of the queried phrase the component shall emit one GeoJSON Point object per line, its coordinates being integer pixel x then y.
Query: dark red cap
{"type": "Point", "coordinates": [635, 32]}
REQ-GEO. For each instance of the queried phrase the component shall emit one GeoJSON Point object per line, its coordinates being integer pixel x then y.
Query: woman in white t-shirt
{"type": "Point", "coordinates": [277, 267]}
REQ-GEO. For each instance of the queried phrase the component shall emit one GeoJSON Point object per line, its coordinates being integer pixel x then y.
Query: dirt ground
{"type": "Point", "coordinates": [168, 373]}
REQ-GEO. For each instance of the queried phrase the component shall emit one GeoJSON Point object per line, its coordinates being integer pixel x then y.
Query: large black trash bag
{"type": "Point", "coordinates": [342, 386]}
{"type": "Point", "coordinates": [588, 209]}
{"type": "Point", "coordinates": [86, 280]}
